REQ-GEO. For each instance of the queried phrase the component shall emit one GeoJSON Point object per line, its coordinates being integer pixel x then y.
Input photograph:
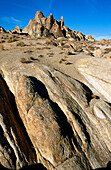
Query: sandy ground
{"type": "Point", "coordinates": [37, 51]}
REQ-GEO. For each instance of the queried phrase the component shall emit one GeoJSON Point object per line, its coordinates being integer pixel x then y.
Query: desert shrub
{"type": "Point", "coordinates": [40, 56]}
{"type": "Point", "coordinates": [2, 41]}
{"type": "Point", "coordinates": [1, 47]}
{"type": "Point", "coordinates": [62, 60]}
{"type": "Point", "coordinates": [50, 54]}
{"type": "Point", "coordinates": [23, 60]}
{"type": "Point", "coordinates": [12, 39]}
{"type": "Point", "coordinates": [28, 51]}
{"type": "Point", "coordinates": [21, 44]}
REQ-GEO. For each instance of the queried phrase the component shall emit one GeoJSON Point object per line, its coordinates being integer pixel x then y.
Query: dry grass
{"type": "Point", "coordinates": [12, 39]}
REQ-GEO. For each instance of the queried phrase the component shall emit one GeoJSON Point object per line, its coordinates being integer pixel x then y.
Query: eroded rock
{"type": "Point", "coordinates": [2, 30]}
{"type": "Point", "coordinates": [54, 28]}
{"type": "Point", "coordinates": [16, 150]}
{"type": "Point", "coordinates": [65, 123]}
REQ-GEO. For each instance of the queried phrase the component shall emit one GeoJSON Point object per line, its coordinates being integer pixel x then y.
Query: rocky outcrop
{"type": "Point", "coordinates": [90, 38]}
{"type": "Point", "coordinates": [104, 42]}
{"type": "Point", "coordinates": [2, 30]}
{"type": "Point", "coordinates": [16, 149]}
{"type": "Point", "coordinates": [17, 30]}
{"type": "Point", "coordinates": [49, 27]}
{"type": "Point", "coordinates": [55, 120]}
{"type": "Point", "coordinates": [97, 76]}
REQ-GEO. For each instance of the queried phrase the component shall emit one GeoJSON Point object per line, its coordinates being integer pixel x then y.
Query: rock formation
{"type": "Point", "coordinates": [48, 27]}
{"type": "Point", "coordinates": [17, 30]}
{"type": "Point", "coordinates": [2, 30]}
{"type": "Point", "coordinates": [90, 38]}
{"type": "Point", "coordinates": [67, 125]}
{"type": "Point", "coordinates": [55, 98]}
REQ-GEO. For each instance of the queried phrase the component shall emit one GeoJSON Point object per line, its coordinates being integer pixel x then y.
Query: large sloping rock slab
{"type": "Point", "coordinates": [98, 73]}
{"type": "Point", "coordinates": [16, 149]}
{"type": "Point", "coordinates": [67, 127]}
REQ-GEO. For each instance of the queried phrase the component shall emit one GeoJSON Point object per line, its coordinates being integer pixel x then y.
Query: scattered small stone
{"type": "Point", "coordinates": [40, 56]}
{"type": "Point", "coordinates": [62, 60]}
{"type": "Point", "coordinates": [28, 51]}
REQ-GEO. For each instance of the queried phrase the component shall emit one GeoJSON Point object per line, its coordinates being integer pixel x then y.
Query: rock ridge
{"type": "Point", "coordinates": [59, 117]}
{"type": "Point", "coordinates": [50, 27]}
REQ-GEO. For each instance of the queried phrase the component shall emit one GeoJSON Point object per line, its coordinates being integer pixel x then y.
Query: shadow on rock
{"type": "Point", "coordinates": [107, 168]}
{"type": "Point", "coordinates": [34, 167]}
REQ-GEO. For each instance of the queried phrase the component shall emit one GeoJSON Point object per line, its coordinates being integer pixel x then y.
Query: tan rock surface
{"type": "Point", "coordinates": [98, 74]}
{"type": "Point", "coordinates": [15, 146]}
{"type": "Point", "coordinates": [2, 30]}
{"type": "Point", "coordinates": [55, 105]}
{"type": "Point", "coordinates": [55, 28]}
{"type": "Point", "coordinates": [58, 117]}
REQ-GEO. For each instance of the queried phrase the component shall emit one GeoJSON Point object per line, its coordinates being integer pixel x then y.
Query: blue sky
{"type": "Point", "coordinates": [87, 16]}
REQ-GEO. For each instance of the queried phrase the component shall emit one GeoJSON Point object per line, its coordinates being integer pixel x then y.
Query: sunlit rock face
{"type": "Point", "coordinates": [40, 24]}
{"type": "Point", "coordinates": [55, 98]}
{"type": "Point", "coordinates": [62, 123]}
{"type": "Point", "coordinates": [2, 30]}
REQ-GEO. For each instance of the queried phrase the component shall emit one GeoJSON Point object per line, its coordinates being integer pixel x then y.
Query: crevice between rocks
{"type": "Point", "coordinates": [65, 127]}
{"type": "Point", "coordinates": [12, 120]}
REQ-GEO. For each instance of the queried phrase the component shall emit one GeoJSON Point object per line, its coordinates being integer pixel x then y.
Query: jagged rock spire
{"type": "Point", "coordinates": [62, 22]}
{"type": "Point", "coordinates": [42, 26]}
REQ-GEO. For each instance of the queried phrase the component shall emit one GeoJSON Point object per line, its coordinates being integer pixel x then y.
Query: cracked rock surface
{"type": "Point", "coordinates": [54, 114]}
{"type": "Point", "coordinates": [51, 119]}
